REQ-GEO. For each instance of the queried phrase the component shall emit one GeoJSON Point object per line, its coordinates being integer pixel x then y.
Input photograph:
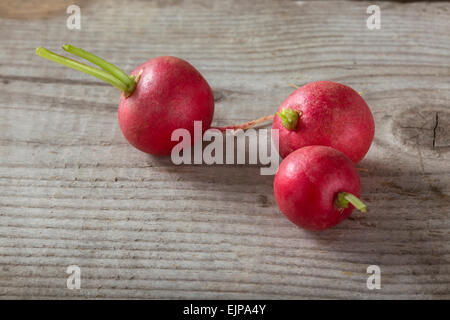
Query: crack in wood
{"type": "Point", "coordinates": [423, 127]}
{"type": "Point", "coordinates": [434, 129]}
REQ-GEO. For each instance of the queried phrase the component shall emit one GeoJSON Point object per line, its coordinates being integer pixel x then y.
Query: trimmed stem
{"type": "Point", "coordinates": [289, 118]}
{"type": "Point", "coordinates": [343, 198]}
{"type": "Point", "coordinates": [100, 74]}
{"type": "Point", "coordinates": [246, 125]}
{"type": "Point", "coordinates": [105, 65]}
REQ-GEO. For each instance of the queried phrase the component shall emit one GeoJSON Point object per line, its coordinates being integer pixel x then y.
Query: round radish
{"type": "Point", "coordinates": [317, 187]}
{"type": "Point", "coordinates": [325, 113]}
{"type": "Point", "coordinates": [161, 95]}
{"type": "Point", "coordinates": [169, 95]}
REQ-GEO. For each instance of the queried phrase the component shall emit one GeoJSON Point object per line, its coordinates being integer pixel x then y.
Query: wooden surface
{"type": "Point", "coordinates": [72, 191]}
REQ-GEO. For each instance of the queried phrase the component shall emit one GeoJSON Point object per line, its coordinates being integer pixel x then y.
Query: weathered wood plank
{"type": "Point", "coordinates": [72, 191]}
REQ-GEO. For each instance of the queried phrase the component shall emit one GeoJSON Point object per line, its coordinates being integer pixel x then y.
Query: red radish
{"type": "Point", "coordinates": [170, 94]}
{"type": "Point", "coordinates": [314, 185]}
{"type": "Point", "coordinates": [325, 113]}
{"type": "Point", "coordinates": [161, 95]}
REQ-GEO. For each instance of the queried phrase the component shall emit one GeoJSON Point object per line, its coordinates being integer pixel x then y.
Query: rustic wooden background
{"type": "Point", "coordinates": [72, 191]}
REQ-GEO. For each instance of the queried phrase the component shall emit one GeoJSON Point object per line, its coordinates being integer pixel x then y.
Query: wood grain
{"type": "Point", "coordinates": [72, 191]}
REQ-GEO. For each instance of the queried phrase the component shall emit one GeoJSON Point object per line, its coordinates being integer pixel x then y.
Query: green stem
{"type": "Point", "coordinates": [100, 74]}
{"type": "Point", "coordinates": [105, 65]}
{"type": "Point", "coordinates": [343, 198]}
{"type": "Point", "coordinates": [289, 118]}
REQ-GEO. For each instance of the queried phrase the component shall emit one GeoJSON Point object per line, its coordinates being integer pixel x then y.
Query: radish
{"type": "Point", "coordinates": [161, 95]}
{"type": "Point", "coordinates": [325, 113]}
{"type": "Point", "coordinates": [317, 187]}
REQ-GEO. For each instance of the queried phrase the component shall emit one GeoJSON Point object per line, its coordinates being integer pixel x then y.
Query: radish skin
{"type": "Point", "coordinates": [317, 187]}
{"type": "Point", "coordinates": [325, 113]}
